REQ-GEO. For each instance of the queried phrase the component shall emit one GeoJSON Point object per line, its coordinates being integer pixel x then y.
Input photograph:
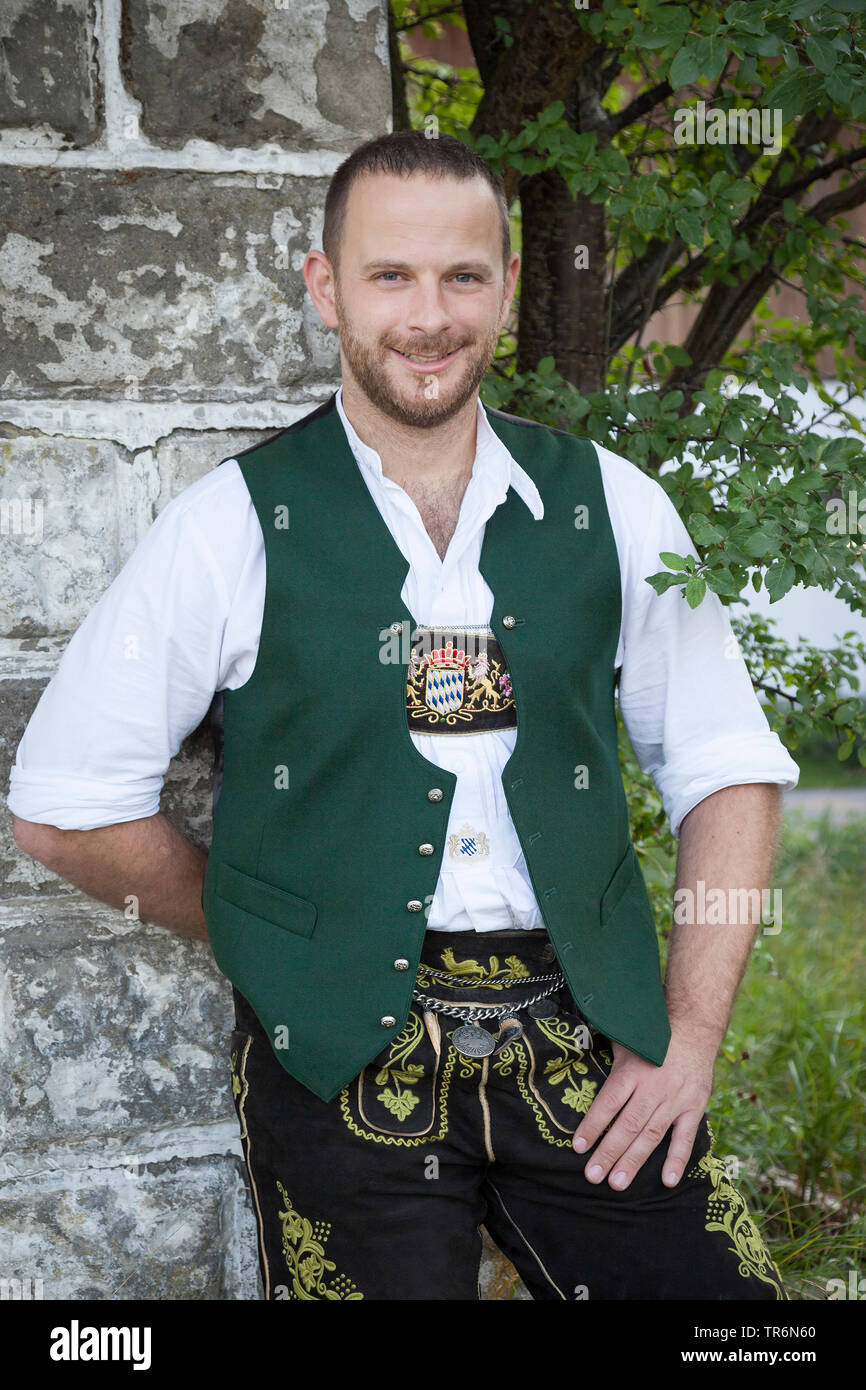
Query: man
{"type": "Point", "coordinates": [415, 613]}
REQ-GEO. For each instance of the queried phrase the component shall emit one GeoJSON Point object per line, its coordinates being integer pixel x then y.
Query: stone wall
{"type": "Point", "coordinates": [162, 176]}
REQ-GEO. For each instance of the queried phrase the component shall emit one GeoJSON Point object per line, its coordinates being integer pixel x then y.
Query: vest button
{"type": "Point", "coordinates": [401, 963]}
{"type": "Point", "coordinates": [508, 621]}
{"type": "Point", "coordinates": [425, 849]}
{"type": "Point", "coordinates": [434, 794]}
{"type": "Point", "coordinates": [414, 905]}
{"type": "Point", "coordinates": [396, 627]}
{"type": "Point", "coordinates": [388, 1021]}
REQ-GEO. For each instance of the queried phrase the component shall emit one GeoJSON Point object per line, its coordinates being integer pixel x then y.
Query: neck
{"type": "Point", "coordinates": [415, 454]}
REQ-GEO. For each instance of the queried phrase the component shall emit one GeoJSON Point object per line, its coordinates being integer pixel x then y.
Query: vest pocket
{"type": "Point", "coordinates": [623, 877]}
{"type": "Point", "coordinates": [265, 900]}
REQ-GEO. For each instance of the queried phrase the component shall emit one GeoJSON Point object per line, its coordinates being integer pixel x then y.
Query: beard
{"type": "Point", "coordinates": [426, 401]}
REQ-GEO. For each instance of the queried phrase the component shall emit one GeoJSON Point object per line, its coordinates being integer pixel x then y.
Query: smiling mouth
{"type": "Point", "coordinates": [420, 362]}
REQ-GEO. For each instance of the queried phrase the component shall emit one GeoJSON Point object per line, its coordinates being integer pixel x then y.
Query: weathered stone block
{"type": "Point", "coordinates": [150, 284]}
{"type": "Point", "coordinates": [281, 77]}
{"type": "Point", "coordinates": [109, 1024]}
{"type": "Point", "coordinates": [170, 1230]}
{"type": "Point", "coordinates": [51, 84]}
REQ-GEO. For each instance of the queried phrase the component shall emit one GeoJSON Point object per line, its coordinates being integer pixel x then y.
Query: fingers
{"type": "Point", "coordinates": [636, 1135]}
{"type": "Point", "coordinates": [613, 1095]}
{"type": "Point", "coordinates": [637, 1109]}
{"type": "Point", "coordinates": [638, 1131]}
{"type": "Point", "coordinates": [680, 1148]}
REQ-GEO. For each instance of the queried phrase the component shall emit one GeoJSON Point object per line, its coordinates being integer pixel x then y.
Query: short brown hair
{"type": "Point", "coordinates": [406, 152]}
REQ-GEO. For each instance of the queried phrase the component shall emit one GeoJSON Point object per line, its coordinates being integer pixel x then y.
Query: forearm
{"type": "Point", "coordinates": [149, 860]}
{"type": "Point", "coordinates": [728, 842]}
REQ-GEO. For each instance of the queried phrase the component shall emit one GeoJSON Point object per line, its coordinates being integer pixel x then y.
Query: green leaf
{"type": "Point", "coordinates": [721, 582]}
{"type": "Point", "coordinates": [703, 530]}
{"type": "Point", "coordinates": [779, 579]}
{"type": "Point", "coordinates": [845, 751]}
{"type": "Point", "coordinates": [685, 68]}
{"type": "Point", "coordinates": [647, 217]}
{"type": "Point", "coordinates": [552, 114]}
{"type": "Point", "coordinates": [821, 52]}
{"type": "Point", "coordinates": [695, 590]}
{"type": "Point", "coordinates": [758, 543]}
{"type": "Point", "coordinates": [678, 355]}
{"type": "Point", "coordinates": [674, 562]}
{"type": "Point", "coordinates": [662, 582]}
{"type": "Point", "coordinates": [689, 226]}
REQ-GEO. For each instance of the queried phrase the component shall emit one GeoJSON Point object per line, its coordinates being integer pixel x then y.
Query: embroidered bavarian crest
{"type": "Point", "coordinates": [468, 843]}
{"type": "Point", "coordinates": [457, 682]}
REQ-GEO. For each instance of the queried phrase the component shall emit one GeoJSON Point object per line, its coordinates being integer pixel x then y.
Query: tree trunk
{"type": "Point", "coordinates": [562, 309]}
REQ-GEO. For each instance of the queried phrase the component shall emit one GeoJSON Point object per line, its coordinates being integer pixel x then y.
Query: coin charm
{"type": "Point", "coordinates": [473, 1040]}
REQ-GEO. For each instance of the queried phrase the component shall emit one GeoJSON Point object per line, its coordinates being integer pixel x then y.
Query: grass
{"type": "Point", "coordinates": [790, 1093]}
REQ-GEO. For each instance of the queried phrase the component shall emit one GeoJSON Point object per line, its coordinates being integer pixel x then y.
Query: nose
{"type": "Point", "coordinates": [427, 311]}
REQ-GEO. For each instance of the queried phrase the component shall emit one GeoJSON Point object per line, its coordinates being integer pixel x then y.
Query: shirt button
{"type": "Point", "coordinates": [388, 1021]}
{"type": "Point", "coordinates": [434, 794]}
{"type": "Point", "coordinates": [508, 621]}
{"type": "Point", "coordinates": [414, 905]}
{"type": "Point", "coordinates": [425, 849]}
{"type": "Point", "coordinates": [401, 963]}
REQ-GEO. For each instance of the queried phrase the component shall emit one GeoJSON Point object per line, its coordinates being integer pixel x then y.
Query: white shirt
{"type": "Point", "coordinates": [182, 620]}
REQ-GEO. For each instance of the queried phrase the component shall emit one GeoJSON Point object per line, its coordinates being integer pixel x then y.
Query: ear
{"type": "Point", "coordinates": [320, 281]}
{"type": "Point", "coordinates": [510, 285]}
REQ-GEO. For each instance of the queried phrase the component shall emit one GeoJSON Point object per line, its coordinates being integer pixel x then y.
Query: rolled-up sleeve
{"type": "Point", "coordinates": [687, 701]}
{"type": "Point", "coordinates": [136, 677]}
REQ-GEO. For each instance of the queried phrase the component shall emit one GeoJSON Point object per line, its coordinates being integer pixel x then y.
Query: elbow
{"type": "Point", "coordinates": [34, 839]}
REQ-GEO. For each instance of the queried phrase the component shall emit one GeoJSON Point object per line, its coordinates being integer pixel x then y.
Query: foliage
{"type": "Point", "coordinates": [771, 498]}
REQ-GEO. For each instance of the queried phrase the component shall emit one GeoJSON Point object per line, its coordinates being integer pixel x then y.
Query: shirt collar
{"type": "Point", "coordinates": [492, 459]}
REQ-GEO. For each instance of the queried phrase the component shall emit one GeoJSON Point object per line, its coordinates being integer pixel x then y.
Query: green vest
{"type": "Point", "coordinates": [315, 882]}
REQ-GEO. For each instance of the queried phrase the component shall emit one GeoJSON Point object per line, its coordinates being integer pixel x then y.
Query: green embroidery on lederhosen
{"type": "Point", "coordinates": [491, 976]}
{"type": "Point", "coordinates": [727, 1212]}
{"type": "Point", "coordinates": [388, 1086]}
{"type": "Point", "coordinates": [304, 1249]}
{"type": "Point", "coordinates": [569, 1066]}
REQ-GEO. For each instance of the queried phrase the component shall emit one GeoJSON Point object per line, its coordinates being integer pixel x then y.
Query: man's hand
{"type": "Point", "coordinates": [727, 841]}
{"type": "Point", "coordinates": [646, 1100]}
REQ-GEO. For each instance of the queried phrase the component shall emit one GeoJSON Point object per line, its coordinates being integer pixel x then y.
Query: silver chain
{"type": "Point", "coordinates": [450, 978]}
{"type": "Point", "coordinates": [473, 1012]}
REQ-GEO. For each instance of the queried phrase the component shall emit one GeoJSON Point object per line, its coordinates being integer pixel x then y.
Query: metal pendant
{"type": "Point", "coordinates": [542, 1008]}
{"type": "Point", "coordinates": [511, 1030]}
{"type": "Point", "coordinates": [473, 1040]}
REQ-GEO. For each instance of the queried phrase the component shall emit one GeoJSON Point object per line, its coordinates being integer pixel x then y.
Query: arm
{"type": "Point", "coordinates": [149, 858]}
{"type": "Point", "coordinates": [728, 840]}
{"type": "Point", "coordinates": [180, 621]}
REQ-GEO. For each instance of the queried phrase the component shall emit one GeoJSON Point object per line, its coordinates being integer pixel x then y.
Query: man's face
{"type": "Point", "coordinates": [420, 276]}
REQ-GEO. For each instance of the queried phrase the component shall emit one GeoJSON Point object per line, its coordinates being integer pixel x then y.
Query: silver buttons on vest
{"type": "Point", "coordinates": [435, 794]}
{"type": "Point", "coordinates": [395, 627]}
{"type": "Point", "coordinates": [425, 849]}
{"type": "Point", "coordinates": [401, 963]}
{"type": "Point", "coordinates": [509, 621]}
{"type": "Point", "coordinates": [414, 905]}
{"type": "Point", "coordinates": [388, 1021]}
